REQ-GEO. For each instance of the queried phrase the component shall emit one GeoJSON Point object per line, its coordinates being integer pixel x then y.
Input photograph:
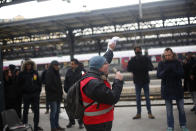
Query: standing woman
{"type": "Point", "coordinates": [170, 71]}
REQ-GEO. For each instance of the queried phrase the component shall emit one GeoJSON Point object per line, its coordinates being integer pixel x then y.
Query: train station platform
{"type": "Point", "coordinates": [123, 119]}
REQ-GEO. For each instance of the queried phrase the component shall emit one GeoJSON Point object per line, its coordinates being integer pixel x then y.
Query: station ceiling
{"type": "Point", "coordinates": [112, 16]}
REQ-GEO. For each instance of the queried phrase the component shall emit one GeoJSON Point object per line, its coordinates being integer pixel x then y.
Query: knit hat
{"type": "Point", "coordinates": [97, 62]}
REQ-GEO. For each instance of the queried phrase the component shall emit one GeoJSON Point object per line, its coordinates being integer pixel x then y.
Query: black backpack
{"type": "Point", "coordinates": [73, 102]}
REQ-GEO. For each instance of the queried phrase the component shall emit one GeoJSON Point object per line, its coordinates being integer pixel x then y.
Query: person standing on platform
{"type": "Point", "coordinates": [30, 83]}
{"type": "Point", "coordinates": [171, 72]}
{"type": "Point", "coordinates": [43, 77]}
{"type": "Point", "coordinates": [140, 65]}
{"type": "Point", "coordinates": [54, 94]}
{"type": "Point", "coordinates": [193, 87]}
{"type": "Point", "coordinates": [97, 90]}
{"type": "Point", "coordinates": [13, 92]}
{"type": "Point", "coordinates": [73, 75]}
{"type": "Point", "coordinates": [189, 84]}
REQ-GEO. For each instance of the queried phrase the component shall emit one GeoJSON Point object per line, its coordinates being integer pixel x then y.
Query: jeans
{"type": "Point", "coordinates": [107, 126]}
{"type": "Point", "coordinates": [138, 89]}
{"type": "Point", "coordinates": [54, 114]}
{"type": "Point", "coordinates": [170, 117]}
{"type": "Point", "coordinates": [32, 100]}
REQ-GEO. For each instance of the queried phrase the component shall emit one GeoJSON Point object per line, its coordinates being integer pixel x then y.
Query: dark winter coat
{"type": "Point", "coordinates": [72, 76]}
{"type": "Point", "coordinates": [96, 88]}
{"type": "Point", "coordinates": [171, 73]}
{"type": "Point", "coordinates": [29, 80]}
{"type": "Point", "coordinates": [139, 66]}
{"type": "Point", "coordinates": [188, 83]}
{"type": "Point", "coordinates": [13, 92]}
{"type": "Point", "coordinates": [99, 92]}
{"type": "Point", "coordinates": [43, 77]}
{"type": "Point", "coordinates": [53, 85]}
{"type": "Point", "coordinates": [193, 82]}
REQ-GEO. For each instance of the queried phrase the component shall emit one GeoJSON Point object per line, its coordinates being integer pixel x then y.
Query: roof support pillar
{"type": "Point", "coordinates": [71, 40]}
{"type": "Point", "coordinates": [99, 45]}
{"type": "Point", "coordinates": [1, 88]}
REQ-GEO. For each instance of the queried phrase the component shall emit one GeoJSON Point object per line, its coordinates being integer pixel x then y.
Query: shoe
{"type": "Point", "coordinates": [170, 129]}
{"type": "Point", "coordinates": [54, 129]}
{"type": "Point", "coordinates": [81, 126]}
{"type": "Point", "coordinates": [137, 116]}
{"type": "Point", "coordinates": [60, 128]}
{"type": "Point", "coordinates": [70, 125]}
{"type": "Point", "coordinates": [39, 128]}
{"type": "Point", "coordinates": [193, 109]}
{"type": "Point", "coordinates": [150, 116]}
{"type": "Point", "coordinates": [47, 111]}
{"type": "Point", "coordinates": [184, 129]}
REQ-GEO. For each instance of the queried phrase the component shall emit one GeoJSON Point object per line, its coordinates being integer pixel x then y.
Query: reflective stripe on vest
{"type": "Point", "coordinates": [96, 113]}
{"type": "Point", "coordinates": [86, 104]}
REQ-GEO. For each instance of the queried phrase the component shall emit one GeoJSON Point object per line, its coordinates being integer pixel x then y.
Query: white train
{"type": "Point", "coordinates": [120, 57]}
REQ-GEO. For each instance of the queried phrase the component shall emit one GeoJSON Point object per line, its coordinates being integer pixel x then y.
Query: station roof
{"type": "Point", "coordinates": [112, 16]}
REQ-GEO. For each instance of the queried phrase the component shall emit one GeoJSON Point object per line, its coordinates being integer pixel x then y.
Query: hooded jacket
{"type": "Point", "coordinates": [29, 80]}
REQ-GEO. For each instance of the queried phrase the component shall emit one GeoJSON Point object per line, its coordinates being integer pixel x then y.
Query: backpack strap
{"type": "Point", "coordinates": [83, 77]}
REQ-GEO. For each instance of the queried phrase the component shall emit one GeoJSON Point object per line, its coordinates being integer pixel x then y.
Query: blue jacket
{"type": "Point", "coordinates": [171, 73]}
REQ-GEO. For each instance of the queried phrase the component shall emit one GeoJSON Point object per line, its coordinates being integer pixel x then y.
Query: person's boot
{"type": "Point", "coordinates": [150, 116]}
{"type": "Point", "coordinates": [70, 125]}
{"type": "Point", "coordinates": [47, 111]}
{"type": "Point", "coordinates": [38, 128]}
{"type": "Point", "coordinates": [193, 109]}
{"type": "Point", "coordinates": [60, 128]}
{"type": "Point", "coordinates": [137, 116]}
{"type": "Point", "coordinates": [81, 126]}
{"type": "Point", "coordinates": [54, 129]}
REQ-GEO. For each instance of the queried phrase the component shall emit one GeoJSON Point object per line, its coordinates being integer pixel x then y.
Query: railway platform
{"type": "Point", "coordinates": [123, 119]}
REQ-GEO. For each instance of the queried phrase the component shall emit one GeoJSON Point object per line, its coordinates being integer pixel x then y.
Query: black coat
{"type": "Point", "coordinates": [96, 88]}
{"type": "Point", "coordinates": [193, 82]}
{"type": "Point", "coordinates": [99, 92]}
{"type": "Point", "coordinates": [139, 66]}
{"type": "Point", "coordinates": [72, 76]}
{"type": "Point", "coordinates": [13, 92]}
{"type": "Point", "coordinates": [30, 82]}
{"type": "Point", "coordinates": [171, 73]}
{"type": "Point", "coordinates": [188, 83]}
{"type": "Point", "coordinates": [53, 85]}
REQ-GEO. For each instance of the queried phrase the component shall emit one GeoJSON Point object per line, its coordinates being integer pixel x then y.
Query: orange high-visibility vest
{"type": "Point", "coordinates": [96, 114]}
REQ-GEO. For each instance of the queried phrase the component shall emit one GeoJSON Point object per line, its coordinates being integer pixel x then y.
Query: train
{"type": "Point", "coordinates": [120, 59]}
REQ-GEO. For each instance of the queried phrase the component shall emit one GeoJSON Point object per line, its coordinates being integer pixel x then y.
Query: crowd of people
{"type": "Point", "coordinates": [24, 86]}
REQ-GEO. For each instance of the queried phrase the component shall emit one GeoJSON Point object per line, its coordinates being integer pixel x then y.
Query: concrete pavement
{"type": "Point", "coordinates": [123, 120]}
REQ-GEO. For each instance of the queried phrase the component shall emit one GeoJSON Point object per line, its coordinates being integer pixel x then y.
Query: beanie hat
{"type": "Point", "coordinates": [97, 62]}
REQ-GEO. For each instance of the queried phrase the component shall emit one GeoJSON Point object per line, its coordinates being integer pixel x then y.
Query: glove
{"type": "Point", "coordinates": [112, 43]}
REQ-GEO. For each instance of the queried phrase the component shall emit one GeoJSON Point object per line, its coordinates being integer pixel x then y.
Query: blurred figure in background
{"type": "Point", "coordinates": [13, 92]}
{"type": "Point", "coordinates": [171, 72]}
{"type": "Point", "coordinates": [189, 84]}
{"type": "Point", "coordinates": [43, 80]}
{"type": "Point", "coordinates": [73, 75]}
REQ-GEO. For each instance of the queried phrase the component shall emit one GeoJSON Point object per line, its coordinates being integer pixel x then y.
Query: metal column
{"type": "Point", "coordinates": [2, 104]}
{"type": "Point", "coordinates": [71, 40]}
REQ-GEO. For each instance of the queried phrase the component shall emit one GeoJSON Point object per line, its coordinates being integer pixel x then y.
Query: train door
{"type": "Point", "coordinates": [124, 63]}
